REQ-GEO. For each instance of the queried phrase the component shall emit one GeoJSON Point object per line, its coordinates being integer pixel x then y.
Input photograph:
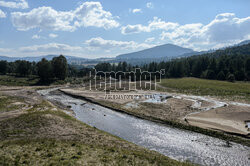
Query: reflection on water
{"type": "Point", "coordinates": [175, 143]}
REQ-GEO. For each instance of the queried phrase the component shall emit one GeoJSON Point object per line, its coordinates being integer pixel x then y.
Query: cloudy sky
{"type": "Point", "coordinates": [106, 28]}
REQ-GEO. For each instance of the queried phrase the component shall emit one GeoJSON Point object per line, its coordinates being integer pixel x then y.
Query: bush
{"type": "Point", "coordinates": [60, 67]}
{"type": "Point", "coordinates": [231, 78]}
{"type": "Point", "coordinates": [44, 70]}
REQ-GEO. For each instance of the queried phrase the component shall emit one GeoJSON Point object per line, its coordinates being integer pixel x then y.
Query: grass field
{"type": "Point", "coordinates": [45, 135]}
{"type": "Point", "coordinates": [7, 80]}
{"type": "Point", "coordinates": [7, 103]}
{"type": "Point", "coordinates": [237, 90]}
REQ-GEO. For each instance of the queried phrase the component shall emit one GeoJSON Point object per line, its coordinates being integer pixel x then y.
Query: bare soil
{"type": "Point", "coordinates": [39, 133]}
{"type": "Point", "coordinates": [229, 117]}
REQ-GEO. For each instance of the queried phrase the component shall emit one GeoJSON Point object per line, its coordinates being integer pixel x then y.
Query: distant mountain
{"type": "Point", "coordinates": [70, 59]}
{"type": "Point", "coordinates": [243, 42]}
{"type": "Point", "coordinates": [166, 50]}
{"type": "Point", "coordinates": [6, 58]}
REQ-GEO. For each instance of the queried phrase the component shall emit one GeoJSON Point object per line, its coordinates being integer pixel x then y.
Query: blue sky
{"type": "Point", "coordinates": [93, 29]}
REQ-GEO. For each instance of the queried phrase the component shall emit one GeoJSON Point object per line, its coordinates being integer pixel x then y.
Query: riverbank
{"type": "Point", "coordinates": [36, 132]}
{"type": "Point", "coordinates": [231, 117]}
{"type": "Point", "coordinates": [154, 116]}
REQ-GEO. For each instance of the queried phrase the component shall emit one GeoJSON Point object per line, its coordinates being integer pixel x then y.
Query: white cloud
{"type": "Point", "coordinates": [94, 48]}
{"type": "Point", "coordinates": [226, 29]}
{"type": "Point", "coordinates": [156, 24]}
{"type": "Point", "coordinates": [43, 18]}
{"type": "Point", "coordinates": [136, 11]}
{"type": "Point", "coordinates": [186, 30]}
{"type": "Point", "coordinates": [130, 29]}
{"type": "Point", "coordinates": [92, 14]}
{"type": "Point", "coordinates": [2, 14]}
{"type": "Point", "coordinates": [36, 37]}
{"type": "Point", "coordinates": [149, 5]}
{"type": "Point", "coordinates": [87, 14]}
{"type": "Point", "coordinates": [52, 35]}
{"type": "Point", "coordinates": [50, 48]}
{"type": "Point", "coordinates": [101, 43]}
{"type": "Point", "coordinates": [21, 4]}
{"type": "Point", "coordinates": [150, 39]}
{"type": "Point", "coordinates": [5, 50]}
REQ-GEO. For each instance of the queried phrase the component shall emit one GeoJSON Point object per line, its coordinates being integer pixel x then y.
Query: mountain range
{"type": "Point", "coordinates": [157, 53]}
{"type": "Point", "coordinates": [166, 50]}
{"type": "Point", "coordinates": [38, 58]}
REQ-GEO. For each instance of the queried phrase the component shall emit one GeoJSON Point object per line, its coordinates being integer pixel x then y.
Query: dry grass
{"type": "Point", "coordinates": [10, 103]}
{"type": "Point", "coordinates": [45, 135]}
{"type": "Point", "coordinates": [235, 91]}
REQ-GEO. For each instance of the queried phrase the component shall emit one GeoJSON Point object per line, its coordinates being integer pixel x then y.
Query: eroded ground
{"type": "Point", "coordinates": [230, 119]}
{"type": "Point", "coordinates": [36, 132]}
{"type": "Point", "coordinates": [206, 112]}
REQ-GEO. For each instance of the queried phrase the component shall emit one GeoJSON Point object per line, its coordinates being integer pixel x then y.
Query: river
{"type": "Point", "coordinates": [175, 143]}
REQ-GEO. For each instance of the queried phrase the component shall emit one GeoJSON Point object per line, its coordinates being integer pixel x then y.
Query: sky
{"type": "Point", "coordinates": [107, 28]}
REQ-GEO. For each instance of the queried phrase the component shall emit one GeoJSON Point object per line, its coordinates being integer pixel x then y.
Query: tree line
{"type": "Point", "coordinates": [227, 64]}
{"type": "Point", "coordinates": [47, 71]}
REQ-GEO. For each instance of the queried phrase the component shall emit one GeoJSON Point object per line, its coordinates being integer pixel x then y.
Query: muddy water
{"type": "Point", "coordinates": [175, 143]}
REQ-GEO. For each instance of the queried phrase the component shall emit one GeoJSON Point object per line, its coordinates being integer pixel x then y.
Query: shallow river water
{"type": "Point", "coordinates": [175, 143]}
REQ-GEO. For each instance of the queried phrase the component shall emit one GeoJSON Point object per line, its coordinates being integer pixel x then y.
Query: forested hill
{"type": "Point", "coordinates": [226, 64]}
{"type": "Point", "coordinates": [231, 51]}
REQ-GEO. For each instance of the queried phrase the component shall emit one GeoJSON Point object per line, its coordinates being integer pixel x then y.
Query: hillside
{"type": "Point", "coordinates": [238, 50]}
{"type": "Point", "coordinates": [225, 64]}
{"type": "Point", "coordinates": [166, 50]}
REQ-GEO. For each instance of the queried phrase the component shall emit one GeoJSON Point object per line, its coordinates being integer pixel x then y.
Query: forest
{"type": "Point", "coordinates": [226, 64]}
{"type": "Point", "coordinates": [47, 71]}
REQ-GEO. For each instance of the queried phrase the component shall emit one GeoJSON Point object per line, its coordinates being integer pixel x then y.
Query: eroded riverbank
{"type": "Point", "coordinates": [180, 111]}
{"type": "Point", "coordinates": [175, 143]}
{"type": "Point", "coordinates": [34, 131]}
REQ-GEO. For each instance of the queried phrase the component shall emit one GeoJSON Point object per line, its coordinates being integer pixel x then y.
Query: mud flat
{"type": "Point", "coordinates": [231, 119]}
